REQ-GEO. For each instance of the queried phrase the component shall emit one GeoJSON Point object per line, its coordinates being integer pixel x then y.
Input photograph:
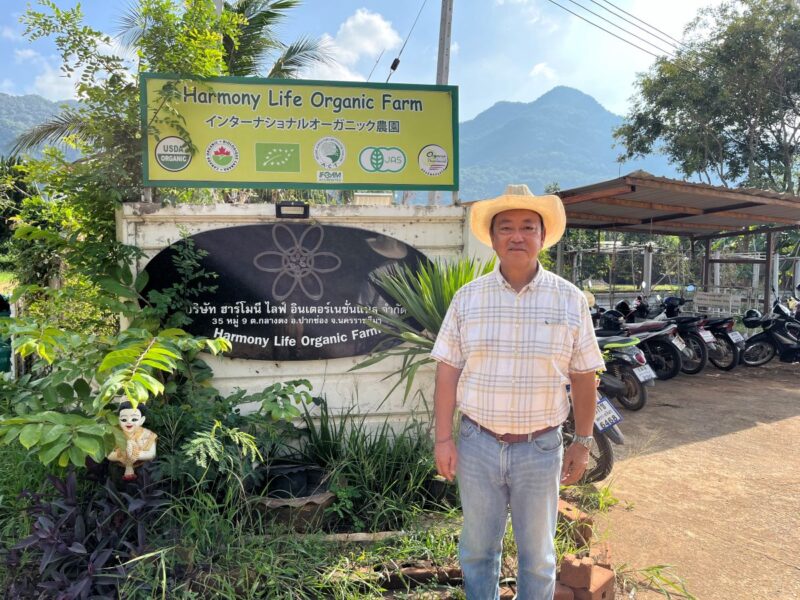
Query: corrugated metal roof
{"type": "Point", "coordinates": [640, 202]}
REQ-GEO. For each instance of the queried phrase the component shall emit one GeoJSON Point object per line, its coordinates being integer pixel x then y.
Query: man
{"type": "Point", "coordinates": [508, 347]}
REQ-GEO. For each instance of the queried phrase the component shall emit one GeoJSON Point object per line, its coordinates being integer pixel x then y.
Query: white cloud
{"type": "Point", "coordinates": [541, 69]}
{"type": "Point", "coordinates": [362, 37]}
{"type": "Point", "coordinates": [7, 33]}
{"type": "Point", "coordinates": [53, 85]}
{"type": "Point", "coordinates": [454, 48]}
{"type": "Point", "coordinates": [7, 86]}
{"type": "Point", "coordinates": [26, 55]}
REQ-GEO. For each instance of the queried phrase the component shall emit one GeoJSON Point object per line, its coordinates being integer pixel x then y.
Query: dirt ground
{"type": "Point", "coordinates": [709, 481]}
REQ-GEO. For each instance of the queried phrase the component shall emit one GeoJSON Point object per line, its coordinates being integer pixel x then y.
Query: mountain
{"type": "Point", "coordinates": [563, 137]}
{"type": "Point", "coordinates": [20, 113]}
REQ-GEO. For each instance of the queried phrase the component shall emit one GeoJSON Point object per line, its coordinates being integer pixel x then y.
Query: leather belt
{"type": "Point", "coordinates": [510, 438]}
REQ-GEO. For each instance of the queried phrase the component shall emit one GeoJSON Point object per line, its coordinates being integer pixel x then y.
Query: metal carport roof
{"type": "Point", "coordinates": [642, 203]}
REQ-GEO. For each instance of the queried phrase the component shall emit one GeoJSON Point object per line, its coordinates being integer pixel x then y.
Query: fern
{"type": "Point", "coordinates": [207, 446]}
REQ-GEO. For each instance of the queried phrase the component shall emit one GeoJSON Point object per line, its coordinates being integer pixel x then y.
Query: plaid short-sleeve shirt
{"type": "Point", "coordinates": [516, 350]}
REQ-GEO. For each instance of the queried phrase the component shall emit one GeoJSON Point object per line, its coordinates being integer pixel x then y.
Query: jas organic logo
{"type": "Point", "coordinates": [376, 159]}
{"type": "Point", "coordinates": [222, 155]}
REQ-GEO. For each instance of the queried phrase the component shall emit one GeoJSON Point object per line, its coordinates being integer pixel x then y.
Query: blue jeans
{"type": "Point", "coordinates": [492, 476]}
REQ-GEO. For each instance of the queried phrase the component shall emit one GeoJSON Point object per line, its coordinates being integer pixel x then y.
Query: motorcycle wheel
{"type": "Point", "coordinates": [758, 353]}
{"type": "Point", "coordinates": [727, 356]}
{"type": "Point", "coordinates": [692, 366]}
{"type": "Point", "coordinates": [601, 456]}
{"type": "Point", "coordinates": [635, 395]}
{"type": "Point", "coordinates": [665, 359]}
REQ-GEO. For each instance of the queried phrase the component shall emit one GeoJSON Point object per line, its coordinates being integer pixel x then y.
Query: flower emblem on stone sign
{"type": "Point", "coordinates": [297, 262]}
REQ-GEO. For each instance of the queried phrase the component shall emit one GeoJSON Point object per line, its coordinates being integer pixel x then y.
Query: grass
{"type": "Point", "coordinates": [209, 543]}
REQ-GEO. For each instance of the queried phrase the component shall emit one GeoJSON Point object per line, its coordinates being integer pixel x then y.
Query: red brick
{"type": "Point", "coordinates": [582, 528]}
{"type": "Point", "coordinates": [563, 592]}
{"type": "Point", "coordinates": [576, 572]}
{"type": "Point", "coordinates": [601, 588]}
{"type": "Point", "coordinates": [600, 553]}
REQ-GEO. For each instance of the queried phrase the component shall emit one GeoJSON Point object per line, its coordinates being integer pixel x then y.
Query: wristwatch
{"type": "Point", "coordinates": [583, 440]}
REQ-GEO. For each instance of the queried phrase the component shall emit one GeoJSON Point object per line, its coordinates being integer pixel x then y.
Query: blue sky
{"type": "Point", "coordinates": [513, 50]}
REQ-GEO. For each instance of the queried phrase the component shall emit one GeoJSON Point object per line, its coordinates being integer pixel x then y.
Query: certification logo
{"type": "Point", "coordinates": [222, 156]}
{"type": "Point", "coordinates": [377, 159]}
{"type": "Point", "coordinates": [329, 153]}
{"type": "Point", "coordinates": [330, 177]}
{"type": "Point", "coordinates": [172, 154]}
{"type": "Point", "coordinates": [433, 159]}
{"type": "Point", "coordinates": [278, 158]}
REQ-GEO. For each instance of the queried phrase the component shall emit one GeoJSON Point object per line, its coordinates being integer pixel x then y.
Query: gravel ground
{"type": "Point", "coordinates": [709, 481]}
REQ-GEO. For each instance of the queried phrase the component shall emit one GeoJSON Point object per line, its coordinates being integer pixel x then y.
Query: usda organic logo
{"type": "Point", "coordinates": [222, 155]}
{"type": "Point", "coordinates": [376, 159]}
{"type": "Point", "coordinates": [172, 154]}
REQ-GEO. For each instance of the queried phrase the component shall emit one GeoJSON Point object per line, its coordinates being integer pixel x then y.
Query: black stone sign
{"type": "Point", "coordinates": [289, 291]}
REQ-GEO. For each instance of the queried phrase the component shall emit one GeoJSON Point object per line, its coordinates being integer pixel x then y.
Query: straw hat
{"type": "Point", "coordinates": [519, 196]}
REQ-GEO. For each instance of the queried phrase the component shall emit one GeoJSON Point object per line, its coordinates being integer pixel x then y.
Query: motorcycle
{"type": "Point", "coordinates": [662, 345]}
{"type": "Point", "coordinates": [697, 339]}
{"type": "Point", "coordinates": [725, 354]}
{"type": "Point", "coordinates": [627, 363]}
{"type": "Point", "coordinates": [605, 430]}
{"type": "Point", "coordinates": [776, 337]}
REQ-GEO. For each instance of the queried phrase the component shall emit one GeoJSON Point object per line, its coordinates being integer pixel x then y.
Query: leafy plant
{"type": "Point", "coordinates": [207, 446]}
{"type": "Point", "coordinates": [425, 293]}
{"type": "Point", "coordinates": [82, 541]}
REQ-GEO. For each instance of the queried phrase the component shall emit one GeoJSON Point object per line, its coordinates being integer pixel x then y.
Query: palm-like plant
{"type": "Point", "coordinates": [425, 293]}
{"type": "Point", "coordinates": [258, 42]}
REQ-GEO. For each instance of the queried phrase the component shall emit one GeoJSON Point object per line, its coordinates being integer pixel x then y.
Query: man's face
{"type": "Point", "coordinates": [517, 237]}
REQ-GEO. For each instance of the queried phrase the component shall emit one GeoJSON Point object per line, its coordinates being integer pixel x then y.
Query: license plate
{"type": "Point", "coordinates": [645, 373]}
{"type": "Point", "coordinates": [606, 415]}
{"type": "Point", "coordinates": [679, 343]}
{"type": "Point", "coordinates": [735, 337]}
{"type": "Point", "coordinates": [707, 336]}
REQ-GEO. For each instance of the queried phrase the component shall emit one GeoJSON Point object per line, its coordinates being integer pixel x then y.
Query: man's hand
{"type": "Point", "coordinates": [446, 456]}
{"type": "Point", "coordinates": [576, 458]}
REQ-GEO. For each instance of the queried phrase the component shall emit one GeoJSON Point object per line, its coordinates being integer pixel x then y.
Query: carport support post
{"type": "Point", "coordinates": [768, 273]}
{"type": "Point", "coordinates": [647, 270]}
{"type": "Point", "coordinates": [706, 264]}
{"type": "Point", "coordinates": [560, 259]}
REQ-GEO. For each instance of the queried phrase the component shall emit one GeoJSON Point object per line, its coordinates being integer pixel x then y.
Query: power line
{"type": "Point", "coordinates": [619, 16]}
{"type": "Point", "coordinates": [604, 29]}
{"type": "Point", "coordinates": [638, 37]}
{"type": "Point", "coordinates": [376, 64]}
{"type": "Point", "coordinates": [643, 22]}
{"type": "Point", "coordinates": [396, 61]}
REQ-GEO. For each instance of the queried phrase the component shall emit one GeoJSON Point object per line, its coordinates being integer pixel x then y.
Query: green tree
{"type": "Point", "coordinates": [726, 106]}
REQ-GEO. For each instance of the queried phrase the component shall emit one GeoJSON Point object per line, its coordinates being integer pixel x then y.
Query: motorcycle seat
{"type": "Point", "coordinates": [648, 326]}
{"type": "Point", "coordinates": [685, 320]}
{"type": "Point", "coordinates": [616, 341]}
{"type": "Point", "coordinates": [716, 322]}
{"type": "Point", "coordinates": [604, 333]}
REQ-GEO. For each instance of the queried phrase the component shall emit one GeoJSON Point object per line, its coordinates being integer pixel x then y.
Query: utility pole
{"type": "Point", "coordinates": [443, 66]}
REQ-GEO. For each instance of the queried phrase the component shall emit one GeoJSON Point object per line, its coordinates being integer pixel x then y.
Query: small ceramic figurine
{"type": "Point", "coordinates": [141, 444]}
